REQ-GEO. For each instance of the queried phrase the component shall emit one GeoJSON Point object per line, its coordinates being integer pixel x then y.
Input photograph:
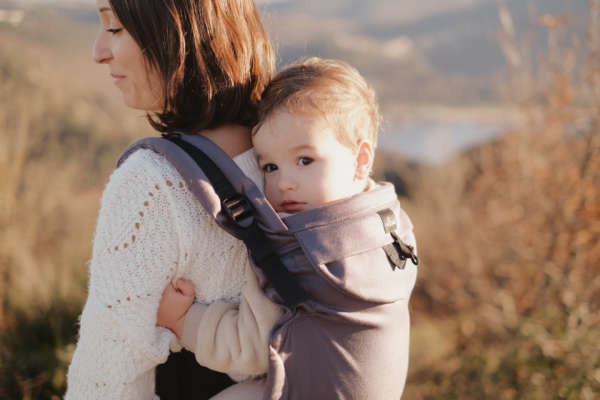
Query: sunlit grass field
{"type": "Point", "coordinates": [507, 301]}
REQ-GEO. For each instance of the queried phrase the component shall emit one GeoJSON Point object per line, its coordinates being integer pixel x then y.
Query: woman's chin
{"type": "Point", "coordinates": [136, 104]}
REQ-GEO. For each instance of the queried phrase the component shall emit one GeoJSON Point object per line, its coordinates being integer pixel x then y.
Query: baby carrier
{"type": "Point", "coordinates": [343, 274]}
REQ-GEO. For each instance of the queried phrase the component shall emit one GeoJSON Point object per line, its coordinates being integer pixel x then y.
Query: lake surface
{"type": "Point", "coordinates": [435, 142]}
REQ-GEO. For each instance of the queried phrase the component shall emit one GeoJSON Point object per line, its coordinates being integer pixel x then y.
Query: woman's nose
{"type": "Point", "coordinates": [101, 52]}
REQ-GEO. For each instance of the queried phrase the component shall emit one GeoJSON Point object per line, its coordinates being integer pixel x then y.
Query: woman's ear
{"type": "Point", "coordinates": [364, 160]}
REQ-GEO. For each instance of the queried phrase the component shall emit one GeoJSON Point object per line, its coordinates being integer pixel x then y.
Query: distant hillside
{"type": "Point", "coordinates": [456, 36]}
{"type": "Point", "coordinates": [412, 51]}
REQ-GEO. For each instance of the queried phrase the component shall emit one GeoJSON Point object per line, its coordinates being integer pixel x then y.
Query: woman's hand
{"type": "Point", "coordinates": [176, 300]}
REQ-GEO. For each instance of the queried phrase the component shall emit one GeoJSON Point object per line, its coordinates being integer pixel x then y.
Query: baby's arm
{"type": "Point", "coordinates": [229, 338]}
{"type": "Point", "coordinates": [174, 304]}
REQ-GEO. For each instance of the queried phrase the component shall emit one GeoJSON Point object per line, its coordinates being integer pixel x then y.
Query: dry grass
{"type": "Point", "coordinates": [510, 242]}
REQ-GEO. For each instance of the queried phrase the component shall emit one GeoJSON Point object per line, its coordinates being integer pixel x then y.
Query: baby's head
{"type": "Point", "coordinates": [316, 135]}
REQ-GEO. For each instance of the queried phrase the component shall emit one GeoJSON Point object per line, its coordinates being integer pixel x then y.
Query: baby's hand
{"type": "Point", "coordinates": [176, 300]}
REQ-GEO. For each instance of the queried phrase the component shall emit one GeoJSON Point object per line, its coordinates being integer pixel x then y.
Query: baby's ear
{"type": "Point", "coordinates": [364, 159]}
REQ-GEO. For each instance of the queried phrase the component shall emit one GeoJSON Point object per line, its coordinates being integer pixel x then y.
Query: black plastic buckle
{"type": "Point", "coordinates": [171, 135]}
{"type": "Point", "coordinates": [405, 250]}
{"type": "Point", "coordinates": [411, 254]}
{"type": "Point", "coordinates": [239, 210]}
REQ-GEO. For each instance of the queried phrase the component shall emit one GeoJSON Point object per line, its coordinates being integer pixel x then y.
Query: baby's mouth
{"type": "Point", "coordinates": [292, 206]}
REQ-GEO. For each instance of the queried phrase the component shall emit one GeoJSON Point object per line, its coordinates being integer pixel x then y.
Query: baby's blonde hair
{"type": "Point", "coordinates": [331, 88]}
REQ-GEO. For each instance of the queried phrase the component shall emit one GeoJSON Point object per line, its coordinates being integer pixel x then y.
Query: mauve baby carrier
{"type": "Point", "coordinates": [343, 274]}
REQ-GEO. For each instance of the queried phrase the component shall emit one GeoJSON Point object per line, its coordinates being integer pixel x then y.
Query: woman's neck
{"type": "Point", "coordinates": [232, 139]}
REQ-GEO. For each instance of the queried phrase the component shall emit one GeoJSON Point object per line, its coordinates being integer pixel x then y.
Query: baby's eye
{"type": "Point", "coordinates": [269, 168]}
{"type": "Point", "coordinates": [114, 31]}
{"type": "Point", "coordinates": [305, 160]}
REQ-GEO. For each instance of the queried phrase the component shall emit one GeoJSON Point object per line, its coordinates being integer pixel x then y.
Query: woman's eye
{"type": "Point", "coordinates": [114, 31]}
{"type": "Point", "coordinates": [269, 168]}
{"type": "Point", "coordinates": [304, 160]}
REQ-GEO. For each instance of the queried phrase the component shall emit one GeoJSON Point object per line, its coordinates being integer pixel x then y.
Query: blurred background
{"type": "Point", "coordinates": [491, 137]}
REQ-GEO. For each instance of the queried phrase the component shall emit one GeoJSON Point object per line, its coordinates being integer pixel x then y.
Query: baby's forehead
{"type": "Point", "coordinates": [287, 120]}
{"type": "Point", "coordinates": [300, 111]}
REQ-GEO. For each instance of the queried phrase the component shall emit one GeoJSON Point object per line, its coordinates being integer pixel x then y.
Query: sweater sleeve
{"type": "Point", "coordinates": [135, 253]}
{"type": "Point", "coordinates": [232, 339]}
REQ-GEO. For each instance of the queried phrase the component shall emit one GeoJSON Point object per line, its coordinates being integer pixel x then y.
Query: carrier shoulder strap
{"type": "Point", "coordinates": [240, 212]}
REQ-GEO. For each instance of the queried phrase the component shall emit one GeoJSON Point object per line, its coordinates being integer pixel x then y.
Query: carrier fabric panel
{"type": "Point", "coordinates": [344, 241]}
{"type": "Point", "coordinates": [317, 356]}
{"type": "Point", "coordinates": [350, 339]}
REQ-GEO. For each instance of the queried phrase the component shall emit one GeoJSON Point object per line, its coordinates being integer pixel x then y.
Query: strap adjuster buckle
{"type": "Point", "coordinates": [171, 135]}
{"type": "Point", "coordinates": [239, 210]}
{"type": "Point", "coordinates": [406, 251]}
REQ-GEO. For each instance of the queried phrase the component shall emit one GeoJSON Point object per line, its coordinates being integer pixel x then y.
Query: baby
{"type": "Point", "coordinates": [316, 135]}
{"type": "Point", "coordinates": [314, 142]}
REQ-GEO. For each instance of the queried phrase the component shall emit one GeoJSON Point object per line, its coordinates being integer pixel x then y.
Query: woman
{"type": "Point", "coordinates": [194, 66]}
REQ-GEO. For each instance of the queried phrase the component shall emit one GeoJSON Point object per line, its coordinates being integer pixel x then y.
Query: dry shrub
{"type": "Point", "coordinates": [510, 241]}
{"type": "Point", "coordinates": [44, 191]}
{"type": "Point", "coordinates": [54, 156]}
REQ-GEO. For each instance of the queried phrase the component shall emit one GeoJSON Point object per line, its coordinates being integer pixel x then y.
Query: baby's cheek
{"type": "Point", "coordinates": [343, 188]}
{"type": "Point", "coordinates": [270, 192]}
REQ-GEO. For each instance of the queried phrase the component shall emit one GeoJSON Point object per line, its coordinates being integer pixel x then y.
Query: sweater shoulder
{"type": "Point", "coordinates": [145, 165]}
{"type": "Point", "coordinates": [146, 178]}
{"type": "Point", "coordinates": [145, 198]}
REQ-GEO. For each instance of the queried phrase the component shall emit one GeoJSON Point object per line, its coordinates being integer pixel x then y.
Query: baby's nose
{"type": "Point", "coordinates": [287, 183]}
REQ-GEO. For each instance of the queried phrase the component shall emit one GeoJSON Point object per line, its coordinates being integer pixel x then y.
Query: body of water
{"type": "Point", "coordinates": [435, 142]}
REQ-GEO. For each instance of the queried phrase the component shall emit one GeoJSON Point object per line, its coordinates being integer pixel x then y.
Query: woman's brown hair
{"type": "Point", "coordinates": [214, 57]}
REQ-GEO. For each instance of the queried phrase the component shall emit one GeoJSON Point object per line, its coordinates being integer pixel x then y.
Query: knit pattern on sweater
{"type": "Point", "coordinates": [150, 230]}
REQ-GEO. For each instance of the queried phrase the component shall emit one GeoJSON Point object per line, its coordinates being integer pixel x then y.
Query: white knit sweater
{"type": "Point", "coordinates": [150, 230]}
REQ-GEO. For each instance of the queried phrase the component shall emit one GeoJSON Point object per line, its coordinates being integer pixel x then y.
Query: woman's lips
{"type": "Point", "coordinates": [291, 206]}
{"type": "Point", "coordinates": [117, 78]}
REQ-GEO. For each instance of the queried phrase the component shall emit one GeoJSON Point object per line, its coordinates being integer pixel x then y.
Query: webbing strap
{"type": "Point", "coordinates": [239, 210]}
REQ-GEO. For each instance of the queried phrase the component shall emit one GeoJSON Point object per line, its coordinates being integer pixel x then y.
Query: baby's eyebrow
{"type": "Point", "coordinates": [302, 147]}
{"type": "Point", "coordinates": [259, 158]}
{"type": "Point", "coordinates": [104, 9]}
